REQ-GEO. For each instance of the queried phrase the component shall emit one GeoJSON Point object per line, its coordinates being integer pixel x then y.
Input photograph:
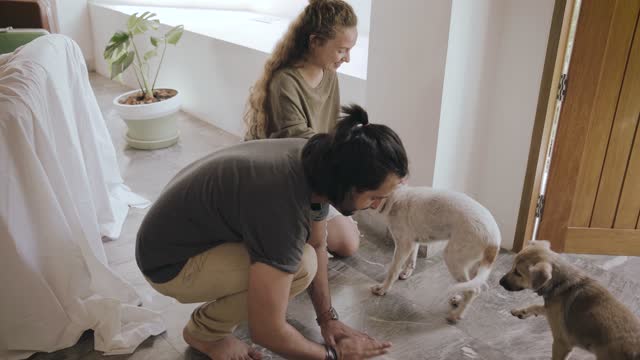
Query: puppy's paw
{"type": "Point", "coordinates": [454, 317]}
{"type": "Point", "coordinates": [378, 290]}
{"type": "Point", "coordinates": [455, 301]}
{"type": "Point", "coordinates": [404, 275]}
{"type": "Point", "coordinates": [521, 313]}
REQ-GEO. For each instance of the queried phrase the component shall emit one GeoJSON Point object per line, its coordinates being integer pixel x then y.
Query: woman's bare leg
{"type": "Point", "coordinates": [343, 237]}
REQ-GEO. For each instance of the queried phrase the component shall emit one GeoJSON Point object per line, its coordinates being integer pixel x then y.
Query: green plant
{"type": "Point", "coordinates": [122, 52]}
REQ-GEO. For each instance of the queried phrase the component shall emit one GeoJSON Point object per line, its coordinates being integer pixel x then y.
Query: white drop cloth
{"type": "Point", "coordinates": [60, 192]}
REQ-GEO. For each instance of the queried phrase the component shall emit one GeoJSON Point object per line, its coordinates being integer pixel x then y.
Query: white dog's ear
{"type": "Point", "coordinates": [540, 274]}
{"type": "Point", "coordinates": [544, 243]}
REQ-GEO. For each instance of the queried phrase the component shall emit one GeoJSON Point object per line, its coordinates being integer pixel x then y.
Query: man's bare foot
{"type": "Point", "coordinates": [229, 348]}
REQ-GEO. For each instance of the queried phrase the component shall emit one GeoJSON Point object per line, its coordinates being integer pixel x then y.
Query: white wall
{"type": "Point", "coordinates": [72, 19]}
{"type": "Point", "coordinates": [407, 54]}
{"type": "Point", "coordinates": [494, 67]}
{"type": "Point", "coordinates": [214, 76]}
{"type": "Point", "coordinates": [474, 37]}
{"type": "Point", "coordinates": [281, 8]}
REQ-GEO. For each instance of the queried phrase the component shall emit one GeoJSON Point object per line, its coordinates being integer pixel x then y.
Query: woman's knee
{"type": "Point", "coordinates": [344, 237]}
{"type": "Point", "coordinates": [345, 247]}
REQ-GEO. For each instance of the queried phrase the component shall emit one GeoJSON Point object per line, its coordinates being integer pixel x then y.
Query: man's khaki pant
{"type": "Point", "coordinates": [219, 277]}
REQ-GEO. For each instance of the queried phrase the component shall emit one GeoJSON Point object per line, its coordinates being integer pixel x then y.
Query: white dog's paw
{"type": "Point", "coordinates": [521, 313]}
{"type": "Point", "coordinates": [404, 275]}
{"type": "Point", "coordinates": [455, 301]}
{"type": "Point", "coordinates": [378, 290]}
{"type": "Point", "coordinates": [454, 316]}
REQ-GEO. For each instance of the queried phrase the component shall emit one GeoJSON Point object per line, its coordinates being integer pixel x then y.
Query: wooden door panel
{"type": "Point", "coordinates": [595, 19]}
{"type": "Point", "coordinates": [593, 192]}
{"type": "Point", "coordinates": [629, 207]}
{"type": "Point", "coordinates": [604, 108]}
{"type": "Point", "coordinates": [620, 143]}
{"type": "Point", "coordinates": [603, 241]}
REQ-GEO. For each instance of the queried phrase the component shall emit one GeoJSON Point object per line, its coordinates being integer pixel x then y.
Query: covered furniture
{"type": "Point", "coordinates": [60, 193]}
{"type": "Point", "coordinates": [11, 39]}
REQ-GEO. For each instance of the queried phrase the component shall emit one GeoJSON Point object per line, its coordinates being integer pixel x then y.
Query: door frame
{"type": "Point", "coordinates": [541, 135]}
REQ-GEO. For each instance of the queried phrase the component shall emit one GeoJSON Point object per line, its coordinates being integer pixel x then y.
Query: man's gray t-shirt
{"type": "Point", "coordinates": [254, 192]}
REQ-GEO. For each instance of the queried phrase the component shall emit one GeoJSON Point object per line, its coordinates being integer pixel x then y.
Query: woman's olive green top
{"type": "Point", "coordinates": [295, 109]}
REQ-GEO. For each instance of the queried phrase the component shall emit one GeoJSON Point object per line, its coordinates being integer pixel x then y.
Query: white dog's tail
{"type": "Point", "coordinates": [484, 269]}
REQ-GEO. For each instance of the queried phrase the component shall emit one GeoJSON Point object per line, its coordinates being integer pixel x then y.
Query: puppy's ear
{"type": "Point", "coordinates": [540, 274]}
{"type": "Point", "coordinates": [544, 243]}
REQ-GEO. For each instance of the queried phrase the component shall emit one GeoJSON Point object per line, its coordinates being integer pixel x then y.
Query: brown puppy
{"type": "Point", "coordinates": [580, 311]}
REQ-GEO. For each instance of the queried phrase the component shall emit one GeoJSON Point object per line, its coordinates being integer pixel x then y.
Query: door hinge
{"type": "Point", "coordinates": [562, 87]}
{"type": "Point", "coordinates": [540, 206]}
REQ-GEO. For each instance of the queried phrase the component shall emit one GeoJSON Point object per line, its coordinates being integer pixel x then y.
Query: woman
{"type": "Point", "coordinates": [298, 93]}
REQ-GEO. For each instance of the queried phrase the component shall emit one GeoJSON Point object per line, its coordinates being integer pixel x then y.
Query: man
{"type": "Point", "coordinates": [243, 230]}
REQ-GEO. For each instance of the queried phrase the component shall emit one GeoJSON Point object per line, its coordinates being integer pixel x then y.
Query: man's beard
{"type": "Point", "coordinates": [346, 207]}
{"type": "Point", "coordinates": [346, 212]}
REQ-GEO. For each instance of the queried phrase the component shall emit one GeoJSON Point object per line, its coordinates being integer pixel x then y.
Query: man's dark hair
{"type": "Point", "coordinates": [356, 155]}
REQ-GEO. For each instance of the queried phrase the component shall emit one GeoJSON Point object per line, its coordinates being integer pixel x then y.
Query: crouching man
{"type": "Point", "coordinates": [243, 231]}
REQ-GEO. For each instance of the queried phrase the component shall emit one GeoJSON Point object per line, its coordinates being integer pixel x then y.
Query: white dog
{"type": "Point", "coordinates": [417, 215]}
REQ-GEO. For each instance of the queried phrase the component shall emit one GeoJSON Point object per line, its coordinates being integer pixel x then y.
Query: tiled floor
{"type": "Point", "coordinates": [412, 316]}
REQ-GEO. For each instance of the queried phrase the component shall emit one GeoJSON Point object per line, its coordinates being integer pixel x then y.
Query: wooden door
{"type": "Point", "coordinates": [592, 200]}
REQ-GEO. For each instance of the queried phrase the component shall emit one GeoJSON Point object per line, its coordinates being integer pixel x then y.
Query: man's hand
{"type": "Point", "coordinates": [351, 344]}
{"type": "Point", "coordinates": [358, 348]}
{"type": "Point", "coordinates": [335, 330]}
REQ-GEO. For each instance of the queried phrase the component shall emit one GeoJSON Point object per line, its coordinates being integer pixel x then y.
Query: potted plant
{"type": "Point", "coordinates": [150, 113]}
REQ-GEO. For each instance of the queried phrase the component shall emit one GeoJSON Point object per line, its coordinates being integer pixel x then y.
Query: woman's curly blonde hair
{"type": "Point", "coordinates": [319, 18]}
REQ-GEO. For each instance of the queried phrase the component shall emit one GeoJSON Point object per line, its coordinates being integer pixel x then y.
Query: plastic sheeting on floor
{"type": "Point", "coordinates": [60, 192]}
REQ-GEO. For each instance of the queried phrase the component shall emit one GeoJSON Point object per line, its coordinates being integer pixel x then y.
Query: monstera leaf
{"type": "Point", "coordinates": [121, 52]}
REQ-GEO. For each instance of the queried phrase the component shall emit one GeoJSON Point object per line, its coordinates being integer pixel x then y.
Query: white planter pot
{"type": "Point", "coordinates": [150, 126]}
